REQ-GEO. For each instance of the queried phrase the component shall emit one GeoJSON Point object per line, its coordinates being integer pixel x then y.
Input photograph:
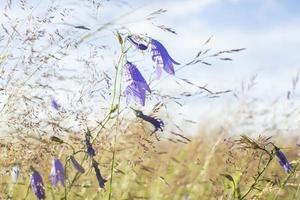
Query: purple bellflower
{"type": "Point", "coordinates": [89, 148]}
{"type": "Point", "coordinates": [133, 91]}
{"type": "Point", "coordinates": [138, 85]}
{"type": "Point", "coordinates": [162, 59]}
{"type": "Point", "coordinates": [136, 76]}
{"type": "Point", "coordinates": [283, 160]}
{"type": "Point", "coordinates": [100, 179]}
{"type": "Point", "coordinates": [76, 165]}
{"type": "Point", "coordinates": [54, 104]}
{"type": "Point", "coordinates": [37, 185]}
{"type": "Point", "coordinates": [57, 173]}
{"type": "Point", "coordinates": [157, 123]}
{"type": "Point", "coordinates": [138, 45]}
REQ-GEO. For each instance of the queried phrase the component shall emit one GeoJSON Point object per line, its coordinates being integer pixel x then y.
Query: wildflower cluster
{"type": "Point", "coordinates": [58, 173]}
{"type": "Point", "coordinates": [138, 86]}
{"type": "Point", "coordinates": [136, 89]}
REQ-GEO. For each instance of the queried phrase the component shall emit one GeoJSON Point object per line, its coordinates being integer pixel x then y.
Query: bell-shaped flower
{"type": "Point", "coordinates": [37, 185]}
{"type": "Point", "coordinates": [100, 179]}
{"type": "Point", "coordinates": [137, 44]}
{"type": "Point", "coordinates": [161, 58]}
{"type": "Point", "coordinates": [89, 148]}
{"type": "Point", "coordinates": [76, 165]}
{"type": "Point", "coordinates": [54, 104]}
{"type": "Point", "coordinates": [133, 91]}
{"type": "Point", "coordinates": [283, 160]}
{"type": "Point", "coordinates": [137, 87]}
{"type": "Point", "coordinates": [157, 123]}
{"type": "Point", "coordinates": [136, 76]}
{"type": "Point", "coordinates": [57, 173]}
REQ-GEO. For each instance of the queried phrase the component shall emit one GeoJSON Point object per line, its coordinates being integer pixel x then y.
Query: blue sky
{"type": "Point", "coordinates": [269, 30]}
{"type": "Point", "coordinates": [249, 14]}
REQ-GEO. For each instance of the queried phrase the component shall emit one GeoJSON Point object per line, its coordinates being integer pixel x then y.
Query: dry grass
{"type": "Point", "coordinates": [146, 168]}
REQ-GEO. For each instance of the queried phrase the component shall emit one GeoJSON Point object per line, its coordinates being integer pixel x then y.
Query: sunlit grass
{"type": "Point", "coordinates": [146, 168]}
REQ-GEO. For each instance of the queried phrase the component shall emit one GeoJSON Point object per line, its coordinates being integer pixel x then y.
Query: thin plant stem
{"type": "Point", "coordinates": [260, 173]}
{"type": "Point", "coordinates": [112, 169]}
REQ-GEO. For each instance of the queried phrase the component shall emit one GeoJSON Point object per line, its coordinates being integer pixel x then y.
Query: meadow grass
{"type": "Point", "coordinates": [148, 168]}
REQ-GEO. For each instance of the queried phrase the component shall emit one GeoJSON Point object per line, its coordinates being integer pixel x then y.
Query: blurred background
{"type": "Point", "coordinates": [262, 78]}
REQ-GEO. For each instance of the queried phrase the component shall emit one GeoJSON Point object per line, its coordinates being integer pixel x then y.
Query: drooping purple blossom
{"type": "Point", "coordinates": [157, 123]}
{"type": "Point", "coordinates": [76, 165]}
{"type": "Point", "coordinates": [37, 185]}
{"type": "Point", "coordinates": [54, 104]}
{"type": "Point", "coordinates": [133, 91]}
{"type": "Point", "coordinates": [137, 87]}
{"type": "Point", "coordinates": [161, 58]}
{"type": "Point", "coordinates": [100, 179]}
{"type": "Point", "coordinates": [136, 76]}
{"type": "Point", "coordinates": [89, 148]}
{"type": "Point", "coordinates": [57, 173]}
{"type": "Point", "coordinates": [138, 45]}
{"type": "Point", "coordinates": [283, 160]}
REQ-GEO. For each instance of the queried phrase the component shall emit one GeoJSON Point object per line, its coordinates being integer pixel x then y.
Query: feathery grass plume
{"type": "Point", "coordinates": [249, 143]}
{"type": "Point", "coordinates": [37, 184]}
{"type": "Point", "coordinates": [76, 165]}
{"type": "Point", "coordinates": [138, 45]}
{"type": "Point", "coordinates": [89, 148]}
{"type": "Point", "coordinates": [283, 160]}
{"type": "Point", "coordinates": [57, 173]}
{"type": "Point", "coordinates": [162, 59]}
{"type": "Point", "coordinates": [15, 173]}
{"type": "Point", "coordinates": [157, 123]}
{"type": "Point", "coordinates": [100, 179]}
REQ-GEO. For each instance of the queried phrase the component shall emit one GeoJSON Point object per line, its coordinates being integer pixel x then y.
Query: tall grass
{"type": "Point", "coordinates": [145, 168]}
{"type": "Point", "coordinates": [47, 56]}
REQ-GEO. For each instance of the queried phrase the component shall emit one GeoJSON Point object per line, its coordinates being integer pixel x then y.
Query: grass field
{"type": "Point", "coordinates": [209, 166]}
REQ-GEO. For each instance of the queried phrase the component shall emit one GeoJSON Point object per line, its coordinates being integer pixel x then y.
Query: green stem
{"type": "Point", "coordinates": [112, 109]}
{"type": "Point", "coordinates": [287, 179]}
{"type": "Point", "coordinates": [115, 140]}
{"type": "Point", "coordinates": [112, 169]}
{"type": "Point", "coordinates": [65, 167]}
{"type": "Point", "coordinates": [260, 173]}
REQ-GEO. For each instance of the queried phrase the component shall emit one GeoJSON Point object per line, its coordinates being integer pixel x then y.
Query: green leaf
{"type": "Point", "coordinates": [56, 139]}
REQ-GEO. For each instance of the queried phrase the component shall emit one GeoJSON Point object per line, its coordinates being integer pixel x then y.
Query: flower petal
{"type": "Point", "coordinates": [140, 46]}
{"type": "Point", "coordinates": [57, 173]}
{"type": "Point", "coordinates": [37, 185]}
{"type": "Point", "coordinates": [133, 91]}
{"type": "Point", "coordinates": [136, 76]}
{"type": "Point", "coordinates": [161, 57]}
